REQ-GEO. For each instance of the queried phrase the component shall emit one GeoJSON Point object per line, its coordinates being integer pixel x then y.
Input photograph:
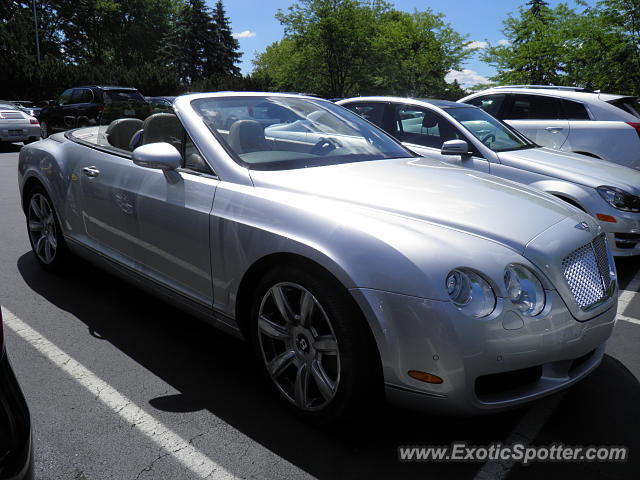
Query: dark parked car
{"type": "Point", "coordinates": [15, 424]}
{"type": "Point", "coordinates": [90, 106]}
{"type": "Point", "coordinates": [161, 104]}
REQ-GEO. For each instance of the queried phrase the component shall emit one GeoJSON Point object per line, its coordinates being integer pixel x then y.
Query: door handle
{"type": "Point", "coordinates": [91, 171]}
{"type": "Point", "coordinates": [554, 129]}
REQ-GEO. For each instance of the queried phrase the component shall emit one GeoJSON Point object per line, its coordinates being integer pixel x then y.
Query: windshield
{"type": "Point", "coordinates": [265, 132]}
{"type": "Point", "coordinates": [491, 132]}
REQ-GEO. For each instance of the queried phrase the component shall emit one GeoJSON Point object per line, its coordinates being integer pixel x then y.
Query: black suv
{"type": "Point", "coordinates": [92, 105]}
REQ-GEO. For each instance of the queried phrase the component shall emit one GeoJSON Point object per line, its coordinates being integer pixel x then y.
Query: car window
{"type": "Point", "coordinates": [493, 133]}
{"type": "Point", "coordinates": [112, 96]}
{"type": "Point", "coordinates": [424, 127]}
{"type": "Point", "coordinates": [374, 112]}
{"type": "Point", "coordinates": [628, 104]}
{"type": "Point", "coordinates": [489, 103]}
{"type": "Point", "coordinates": [65, 98]}
{"type": "Point", "coordinates": [534, 107]}
{"type": "Point", "coordinates": [574, 110]}
{"type": "Point", "coordinates": [193, 159]}
{"type": "Point", "coordinates": [82, 95]}
{"type": "Point", "coordinates": [284, 132]}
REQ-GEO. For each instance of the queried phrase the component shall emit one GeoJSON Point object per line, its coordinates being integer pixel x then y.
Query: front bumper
{"type": "Point", "coordinates": [16, 460]}
{"type": "Point", "coordinates": [624, 234]}
{"type": "Point", "coordinates": [489, 364]}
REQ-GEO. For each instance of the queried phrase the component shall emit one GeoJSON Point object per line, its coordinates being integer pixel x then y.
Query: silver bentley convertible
{"type": "Point", "coordinates": [353, 267]}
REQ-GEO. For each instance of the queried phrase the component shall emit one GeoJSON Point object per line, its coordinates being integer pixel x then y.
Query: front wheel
{"type": "Point", "coordinates": [315, 346]}
{"type": "Point", "coordinates": [44, 231]}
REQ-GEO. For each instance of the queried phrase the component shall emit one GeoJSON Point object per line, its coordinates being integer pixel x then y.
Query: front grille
{"type": "Point", "coordinates": [586, 270]}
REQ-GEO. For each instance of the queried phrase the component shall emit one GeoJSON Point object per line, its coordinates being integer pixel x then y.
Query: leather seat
{"type": "Point", "coordinates": [120, 132]}
{"type": "Point", "coordinates": [247, 136]}
{"type": "Point", "coordinates": [162, 127]}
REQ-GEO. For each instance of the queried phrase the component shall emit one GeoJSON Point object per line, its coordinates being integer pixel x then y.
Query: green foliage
{"type": "Point", "coordinates": [338, 48]}
{"type": "Point", "coordinates": [115, 42]}
{"type": "Point", "coordinates": [598, 47]}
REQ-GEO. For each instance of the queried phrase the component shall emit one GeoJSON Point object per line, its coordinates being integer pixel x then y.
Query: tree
{"type": "Point", "coordinates": [188, 42]}
{"type": "Point", "coordinates": [534, 52]}
{"type": "Point", "coordinates": [225, 45]}
{"type": "Point", "coordinates": [338, 48]}
{"type": "Point", "coordinates": [416, 51]}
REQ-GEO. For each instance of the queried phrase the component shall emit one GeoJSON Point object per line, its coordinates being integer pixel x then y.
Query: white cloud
{"type": "Point", "coordinates": [245, 34]}
{"type": "Point", "coordinates": [477, 44]}
{"type": "Point", "coordinates": [504, 41]}
{"type": "Point", "coordinates": [465, 77]}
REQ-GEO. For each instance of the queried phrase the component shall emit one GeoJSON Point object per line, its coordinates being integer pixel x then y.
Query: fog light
{"type": "Point", "coordinates": [424, 376]}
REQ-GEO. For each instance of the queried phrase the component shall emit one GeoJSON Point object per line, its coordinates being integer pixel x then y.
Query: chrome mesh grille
{"type": "Point", "coordinates": [586, 270]}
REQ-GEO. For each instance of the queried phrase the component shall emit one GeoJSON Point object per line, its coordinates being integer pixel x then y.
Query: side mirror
{"type": "Point", "coordinates": [161, 156]}
{"type": "Point", "coordinates": [455, 147]}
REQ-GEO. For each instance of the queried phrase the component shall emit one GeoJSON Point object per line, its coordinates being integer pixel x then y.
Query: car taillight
{"type": "Point", "coordinates": [33, 121]}
{"type": "Point", "coordinates": [635, 125]}
{"type": "Point", "coordinates": [100, 108]}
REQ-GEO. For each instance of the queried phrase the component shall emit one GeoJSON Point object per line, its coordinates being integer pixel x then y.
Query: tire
{"type": "Point", "coordinates": [44, 129]}
{"type": "Point", "coordinates": [329, 349]}
{"type": "Point", "coordinates": [45, 234]}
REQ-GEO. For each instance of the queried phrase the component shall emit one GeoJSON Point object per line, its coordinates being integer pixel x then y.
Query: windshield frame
{"type": "Point", "coordinates": [527, 142]}
{"type": "Point", "coordinates": [302, 162]}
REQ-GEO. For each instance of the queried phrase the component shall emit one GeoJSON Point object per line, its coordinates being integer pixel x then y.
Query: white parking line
{"type": "Point", "coordinates": [525, 432]}
{"type": "Point", "coordinates": [626, 295]}
{"type": "Point", "coordinates": [257, 460]}
{"type": "Point", "coordinates": [628, 319]}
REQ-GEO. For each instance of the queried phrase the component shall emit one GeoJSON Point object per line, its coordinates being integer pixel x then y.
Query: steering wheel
{"type": "Point", "coordinates": [324, 146]}
{"type": "Point", "coordinates": [487, 137]}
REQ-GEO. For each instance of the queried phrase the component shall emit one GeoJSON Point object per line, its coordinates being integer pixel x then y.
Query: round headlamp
{"type": "Point", "coordinates": [524, 290]}
{"type": "Point", "coordinates": [471, 293]}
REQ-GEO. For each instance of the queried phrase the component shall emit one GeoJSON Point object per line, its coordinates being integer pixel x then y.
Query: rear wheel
{"type": "Point", "coordinates": [315, 347]}
{"type": "Point", "coordinates": [44, 231]}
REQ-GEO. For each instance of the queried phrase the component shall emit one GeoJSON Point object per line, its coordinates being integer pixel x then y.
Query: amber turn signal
{"type": "Point", "coordinates": [606, 218]}
{"type": "Point", "coordinates": [424, 376]}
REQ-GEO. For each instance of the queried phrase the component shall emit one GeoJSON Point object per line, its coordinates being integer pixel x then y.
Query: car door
{"type": "Point", "coordinates": [81, 102]}
{"type": "Point", "coordinates": [56, 113]}
{"type": "Point", "coordinates": [172, 214]}
{"type": "Point", "coordinates": [538, 117]}
{"type": "Point", "coordinates": [424, 130]}
{"type": "Point", "coordinates": [154, 222]}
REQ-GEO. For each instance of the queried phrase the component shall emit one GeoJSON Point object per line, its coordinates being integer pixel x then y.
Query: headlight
{"type": "Point", "coordinates": [470, 293]}
{"type": "Point", "coordinates": [619, 199]}
{"type": "Point", "coordinates": [524, 289]}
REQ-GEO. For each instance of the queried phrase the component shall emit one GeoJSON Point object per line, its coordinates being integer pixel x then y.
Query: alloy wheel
{"type": "Point", "coordinates": [299, 346]}
{"type": "Point", "coordinates": [42, 228]}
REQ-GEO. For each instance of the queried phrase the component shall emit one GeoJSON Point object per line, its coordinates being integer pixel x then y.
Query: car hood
{"type": "Point", "coordinates": [429, 191]}
{"type": "Point", "coordinates": [574, 167]}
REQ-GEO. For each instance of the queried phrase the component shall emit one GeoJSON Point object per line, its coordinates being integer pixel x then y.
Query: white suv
{"type": "Point", "coordinates": [571, 119]}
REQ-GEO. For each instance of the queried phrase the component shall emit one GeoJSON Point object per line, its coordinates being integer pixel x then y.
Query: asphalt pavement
{"type": "Point", "coordinates": [123, 386]}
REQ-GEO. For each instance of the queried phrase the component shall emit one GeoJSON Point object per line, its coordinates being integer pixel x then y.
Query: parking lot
{"type": "Point", "coordinates": [123, 386]}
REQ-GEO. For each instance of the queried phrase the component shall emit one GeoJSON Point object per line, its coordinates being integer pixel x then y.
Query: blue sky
{"type": "Point", "coordinates": [255, 25]}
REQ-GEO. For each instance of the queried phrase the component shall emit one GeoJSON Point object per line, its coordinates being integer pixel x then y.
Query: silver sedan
{"type": "Point", "coordinates": [353, 267]}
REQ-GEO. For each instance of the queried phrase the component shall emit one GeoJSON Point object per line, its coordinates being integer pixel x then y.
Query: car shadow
{"type": "Point", "coordinates": [216, 372]}
{"type": "Point", "coordinates": [9, 147]}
